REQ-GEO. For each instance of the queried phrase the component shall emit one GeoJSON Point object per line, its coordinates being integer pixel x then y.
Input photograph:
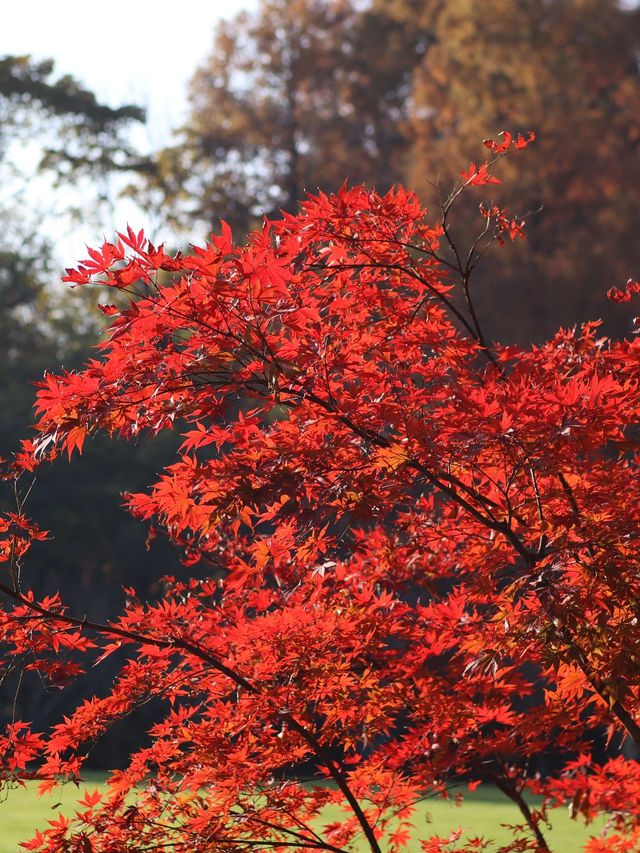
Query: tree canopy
{"type": "Point", "coordinates": [569, 68]}
{"type": "Point", "coordinates": [298, 96]}
{"type": "Point", "coordinates": [81, 134]}
{"type": "Point", "coordinates": [295, 96]}
{"type": "Point", "coordinates": [422, 546]}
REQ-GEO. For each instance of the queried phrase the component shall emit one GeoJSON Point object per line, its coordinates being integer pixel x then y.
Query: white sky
{"type": "Point", "coordinates": [136, 51]}
{"type": "Point", "coordinates": [126, 51]}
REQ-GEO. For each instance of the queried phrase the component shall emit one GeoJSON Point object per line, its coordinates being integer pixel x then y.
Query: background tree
{"type": "Point", "coordinates": [78, 134]}
{"type": "Point", "coordinates": [58, 141]}
{"type": "Point", "coordinates": [68, 134]}
{"type": "Point", "coordinates": [298, 96]}
{"type": "Point", "coordinates": [569, 68]}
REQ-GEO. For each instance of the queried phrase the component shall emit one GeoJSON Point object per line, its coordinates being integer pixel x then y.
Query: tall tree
{"type": "Point", "coordinates": [570, 69]}
{"type": "Point", "coordinates": [295, 96]}
{"type": "Point", "coordinates": [298, 96]}
{"type": "Point", "coordinates": [72, 135]}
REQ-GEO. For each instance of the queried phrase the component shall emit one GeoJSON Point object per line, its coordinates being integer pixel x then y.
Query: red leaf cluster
{"type": "Point", "coordinates": [423, 547]}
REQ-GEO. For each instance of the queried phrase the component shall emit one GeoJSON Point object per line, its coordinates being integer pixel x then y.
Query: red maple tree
{"type": "Point", "coordinates": [424, 547]}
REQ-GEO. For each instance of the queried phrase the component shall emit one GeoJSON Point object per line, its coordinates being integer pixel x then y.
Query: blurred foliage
{"type": "Point", "coordinates": [568, 69]}
{"type": "Point", "coordinates": [301, 95]}
{"type": "Point", "coordinates": [74, 135]}
{"type": "Point", "coordinates": [78, 133]}
{"type": "Point", "coordinates": [45, 328]}
{"type": "Point", "coordinates": [298, 95]}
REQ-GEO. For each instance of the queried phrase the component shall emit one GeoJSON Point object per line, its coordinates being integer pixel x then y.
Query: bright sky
{"type": "Point", "coordinates": [126, 51]}
{"type": "Point", "coordinates": [136, 51]}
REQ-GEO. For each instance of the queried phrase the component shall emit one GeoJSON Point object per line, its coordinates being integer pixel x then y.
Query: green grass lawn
{"type": "Point", "coordinates": [22, 811]}
{"type": "Point", "coordinates": [484, 810]}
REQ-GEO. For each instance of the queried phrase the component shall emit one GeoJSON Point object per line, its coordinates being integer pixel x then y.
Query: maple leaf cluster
{"type": "Point", "coordinates": [423, 547]}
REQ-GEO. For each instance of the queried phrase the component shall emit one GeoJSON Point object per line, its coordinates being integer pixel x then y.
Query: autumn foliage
{"type": "Point", "coordinates": [421, 547]}
{"type": "Point", "coordinates": [306, 93]}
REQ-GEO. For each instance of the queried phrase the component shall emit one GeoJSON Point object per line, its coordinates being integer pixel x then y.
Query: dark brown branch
{"type": "Point", "coordinates": [515, 796]}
